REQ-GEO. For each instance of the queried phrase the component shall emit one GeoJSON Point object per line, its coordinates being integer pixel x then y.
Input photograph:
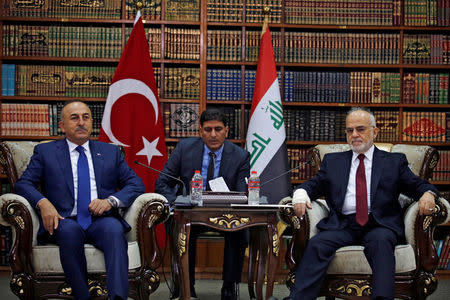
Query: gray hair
{"type": "Point", "coordinates": [360, 108]}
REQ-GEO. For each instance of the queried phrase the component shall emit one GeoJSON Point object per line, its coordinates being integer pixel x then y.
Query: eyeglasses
{"type": "Point", "coordinates": [359, 129]}
{"type": "Point", "coordinates": [210, 129]}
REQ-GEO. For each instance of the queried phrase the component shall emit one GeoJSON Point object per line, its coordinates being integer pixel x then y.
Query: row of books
{"type": "Point", "coordinates": [111, 9]}
{"type": "Point", "coordinates": [64, 81]}
{"type": "Point", "coordinates": [24, 119]}
{"type": "Point", "coordinates": [153, 35]}
{"type": "Point", "coordinates": [186, 10]}
{"type": "Point", "coordinates": [442, 170]}
{"type": "Point", "coordinates": [443, 252]}
{"type": "Point", "coordinates": [425, 88]}
{"type": "Point", "coordinates": [62, 41]}
{"type": "Point", "coordinates": [426, 49]}
{"type": "Point", "coordinates": [225, 84]}
{"type": "Point", "coordinates": [426, 13]}
{"type": "Point", "coordinates": [314, 125]}
{"type": "Point", "coordinates": [297, 157]}
{"type": "Point", "coordinates": [342, 87]}
{"type": "Point", "coordinates": [338, 47]}
{"type": "Point", "coordinates": [424, 126]}
{"type": "Point", "coordinates": [303, 47]}
{"type": "Point", "coordinates": [182, 83]}
{"type": "Point", "coordinates": [182, 43]}
{"type": "Point", "coordinates": [343, 12]}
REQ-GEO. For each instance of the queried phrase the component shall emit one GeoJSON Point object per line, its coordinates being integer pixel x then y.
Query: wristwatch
{"type": "Point", "coordinates": [112, 201]}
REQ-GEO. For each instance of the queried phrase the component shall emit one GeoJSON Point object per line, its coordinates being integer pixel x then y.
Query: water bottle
{"type": "Point", "coordinates": [253, 189]}
{"type": "Point", "coordinates": [197, 189]}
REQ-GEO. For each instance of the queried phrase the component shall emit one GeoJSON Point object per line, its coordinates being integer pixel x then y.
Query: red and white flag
{"type": "Point", "coordinates": [132, 116]}
{"type": "Point", "coordinates": [266, 135]}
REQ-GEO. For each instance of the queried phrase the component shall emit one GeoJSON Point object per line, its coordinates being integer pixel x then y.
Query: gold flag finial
{"type": "Point", "coordinates": [139, 5]}
{"type": "Point", "coordinates": [266, 12]}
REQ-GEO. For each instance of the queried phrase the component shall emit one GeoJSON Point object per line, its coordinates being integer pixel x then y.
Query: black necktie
{"type": "Point", "coordinates": [211, 168]}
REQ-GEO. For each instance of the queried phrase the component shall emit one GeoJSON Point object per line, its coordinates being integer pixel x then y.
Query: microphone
{"type": "Point", "coordinates": [185, 197]}
{"type": "Point", "coordinates": [288, 171]}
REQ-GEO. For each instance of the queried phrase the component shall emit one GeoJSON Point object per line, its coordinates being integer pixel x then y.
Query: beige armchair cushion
{"type": "Point", "coordinates": [21, 152]}
{"type": "Point", "coordinates": [45, 259]}
{"type": "Point", "coordinates": [351, 260]}
{"type": "Point", "coordinates": [414, 154]}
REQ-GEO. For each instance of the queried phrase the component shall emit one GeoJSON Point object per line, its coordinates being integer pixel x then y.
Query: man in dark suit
{"type": "Point", "coordinates": [228, 161]}
{"type": "Point", "coordinates": [83, 183]}
{"type": "Point", "coordinates": [361, 188]}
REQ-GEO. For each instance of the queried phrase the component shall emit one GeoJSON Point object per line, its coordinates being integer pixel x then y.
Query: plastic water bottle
{"type": "Point", "coordinates": [253, 189]}
{"type": "Point", "coordinates": [197, 188]}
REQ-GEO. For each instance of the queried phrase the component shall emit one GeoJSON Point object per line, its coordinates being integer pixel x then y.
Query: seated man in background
{"type": "Point", "coordinates": [83, 183]}
{"type": "Point", "coordinates": [215, 157]}
{"type": "Point", "coordinates": [361, 188]}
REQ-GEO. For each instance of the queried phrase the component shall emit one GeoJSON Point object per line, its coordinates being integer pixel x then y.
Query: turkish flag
{"type": "Point", "coordinates": [132, 116]}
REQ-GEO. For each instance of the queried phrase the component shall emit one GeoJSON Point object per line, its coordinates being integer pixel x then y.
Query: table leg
{"type": "Point", "coordinates": [274, 250]}
{"type": "Point", "coordinates": [262, 258]}
{"type": "Point", "coordinates": [183, 261]}
{"type": "Point", "coordinates": [252, 261]}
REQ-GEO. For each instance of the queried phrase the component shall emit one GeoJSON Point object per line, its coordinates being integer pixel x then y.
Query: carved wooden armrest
{"type": "Point", "coordinates": [145, 213]}
{"type": "Point", "coordinates": [18, 213]}
{"type": "Point", "coordinates": [419, 233]}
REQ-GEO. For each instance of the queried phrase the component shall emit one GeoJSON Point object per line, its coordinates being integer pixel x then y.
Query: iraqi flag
{"type": "Point", "coordinates": [266, 135]}
{"type": "Point", "coordinates": [132, 116]}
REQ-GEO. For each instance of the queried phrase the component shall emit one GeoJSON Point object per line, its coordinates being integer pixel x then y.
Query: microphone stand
{"type": "Point", "coordinates": [184, 199]}
{"type": "Point", "coordinates": [288, 171]}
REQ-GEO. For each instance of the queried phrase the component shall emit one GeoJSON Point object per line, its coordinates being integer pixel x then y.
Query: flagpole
{"type": "Point", "coordinates": [139, 6]}
{"type": "Point", "coordinates": [266, 12]}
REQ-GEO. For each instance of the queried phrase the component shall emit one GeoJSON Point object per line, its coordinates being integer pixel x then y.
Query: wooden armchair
{"type": "Point", "coordinates": [349, 275]}
{"type": "Point", "coordinates": [36, 270]}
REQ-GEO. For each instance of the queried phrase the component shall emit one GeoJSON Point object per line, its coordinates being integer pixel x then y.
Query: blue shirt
{"type": "Point", "coordinates": [205, 163]}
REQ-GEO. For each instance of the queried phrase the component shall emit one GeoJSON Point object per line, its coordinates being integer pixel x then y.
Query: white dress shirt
{"type": "Point", "coordinates": [349, 206]}
{"type": "Point", "coordinates": [74, 154]}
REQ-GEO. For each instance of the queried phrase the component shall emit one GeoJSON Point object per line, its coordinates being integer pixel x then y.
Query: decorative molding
{"type": "Point", "coordinates": [353, 288]}
{"type": "Point", "coordinates": [17, 284]}
{"type": "Point", "coordinates": [97, 288]}
{"type": "Point", "coordinates": [275, 244]}
{"type": "Point", "coordinates": [181, 243]}
{"type": "Point", "coordinates": [229, 221]}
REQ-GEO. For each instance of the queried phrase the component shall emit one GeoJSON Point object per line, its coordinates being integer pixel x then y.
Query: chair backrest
{"type": "Point", "coordinates": [421, 159]}
{"type": "Point", "coordinates": [14, 158]}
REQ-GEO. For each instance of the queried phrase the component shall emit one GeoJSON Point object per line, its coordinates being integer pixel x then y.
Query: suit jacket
{"type": "Point", "coordinates": [50, 170]}
{"type": "Point", "coordinates": [390, 177]}
{"type": "Point", "coordinates": [187, 157]}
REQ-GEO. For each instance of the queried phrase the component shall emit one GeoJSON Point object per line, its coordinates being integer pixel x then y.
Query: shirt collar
{"type": "Point", "coordinates": [217, 152]}
{"type": "Point", "coordinates": [72, 146]}
{"type": "Point", "coordinates": [368, 154]}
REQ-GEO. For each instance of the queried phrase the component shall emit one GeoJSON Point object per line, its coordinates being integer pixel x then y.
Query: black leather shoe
{"type": "Point", "coordinates": [230, 293]}
{"type": "Point", "coordinates": [288, 298]}
{"type": "Point", "coordinates": [193, 293]}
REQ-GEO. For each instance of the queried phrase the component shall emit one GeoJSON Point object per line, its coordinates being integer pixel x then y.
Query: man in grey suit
{"type": "Point", "coordinates": [228, 161]}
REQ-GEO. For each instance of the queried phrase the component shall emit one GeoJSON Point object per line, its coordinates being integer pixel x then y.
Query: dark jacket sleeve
{"type": "Point", "coordinates": [165, 185]}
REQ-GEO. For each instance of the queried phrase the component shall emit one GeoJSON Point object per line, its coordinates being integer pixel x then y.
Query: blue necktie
{"type": "Point", "coordinates": [84, 190]}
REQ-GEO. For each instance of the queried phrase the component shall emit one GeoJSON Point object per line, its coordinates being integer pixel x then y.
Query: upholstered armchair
{"type": "Point", "coordinates": [349, 274]}
{"type": "Point", "coordinates": [36, 270]}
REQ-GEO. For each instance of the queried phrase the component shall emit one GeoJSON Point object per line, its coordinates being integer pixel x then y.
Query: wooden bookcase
{"type": "Point", "coordinates": [251, 17]}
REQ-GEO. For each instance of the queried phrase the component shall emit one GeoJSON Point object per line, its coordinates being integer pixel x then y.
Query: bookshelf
{"type": "Point", "coordinates": [205, 52]}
